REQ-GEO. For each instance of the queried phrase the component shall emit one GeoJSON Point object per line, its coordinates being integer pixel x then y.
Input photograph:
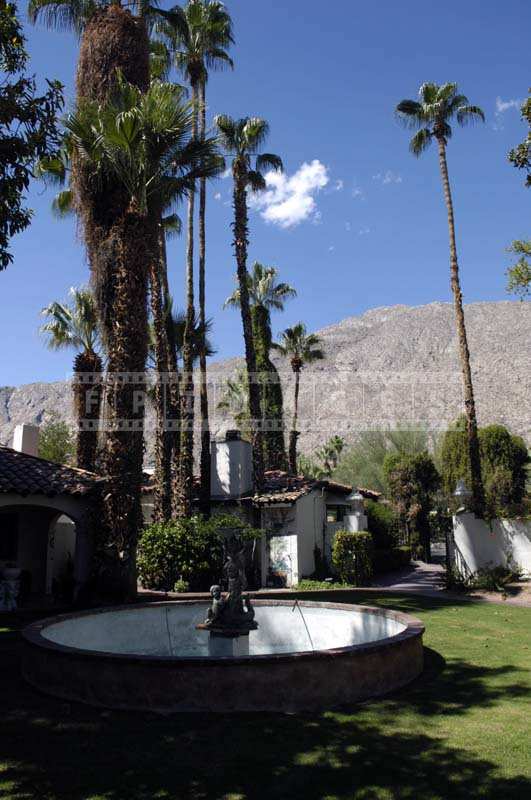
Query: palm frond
{"type": "Point", "coordinates": [266, 161]}
{"type": "Point", "coordinates": [409, 113]}
{"type": "Point", "coordinates": [61, 16]}
{"type": "Point", "coordinates": [256, 181]}
{"type": "Point", "coordinates": [63, 204]}
{"type": "Point", "coordinates": [420, 142]}
{"type": "Point", "coordinates": [428, 93]}
{"type": "Point", "coordinates": [467, 114]}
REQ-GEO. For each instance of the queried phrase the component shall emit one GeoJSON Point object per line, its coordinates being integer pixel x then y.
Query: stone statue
{"type": "Point", "coordinates": [215, 612]}
{"type": "Point", "coordinates": [233, 614]}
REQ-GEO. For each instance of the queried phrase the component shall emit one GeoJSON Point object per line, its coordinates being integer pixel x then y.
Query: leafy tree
{"type": "Point", "coordinates": [503, 464]}
{"type": "Point", "coordinates": [74, 325]}
{"type": "Point", "coordinates": [431, 114]}
{"type": "Point", "coordinates": [198, 37]}
{"type": "Point", "coordinates": [362, 463]}
{"type": "Point", "coordinates": [56, 442]}
{"type": "Point", "coordinates": [243, 138]}
{"type": "Point", "coordinates": [301, 348]}
{"type": "Point", "coordinates": [519, 275]}
{"type": "Point", "coordinates": [412, 483]}
{"type": "Point", "coordinates": [28, 128]}
{"type": "Point", "coordinates": [267, 294]}
{"type": "Point", "coordinates": [520, 156]}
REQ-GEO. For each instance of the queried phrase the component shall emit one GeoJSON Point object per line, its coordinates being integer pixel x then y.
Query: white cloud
{"type": "Point", "coordinates": [505, 105]}
{"type": "Point", "coordinates": [501, 107]}
{"type": "Point", "coordinates": [348, 226]}
{"type": "Point", "coordinates": [357, 191]}
{"type": "Point", "coordinates": [339, 184]}
{"type": "Point", "coordinates": [217, 196]}
{"type": "Point", "coordinates": [289, 200]}
{"type": "Point", "coordinates": [364, 231]}
{"type": "Point", "coordinates": [226, 173]}
{"type": "Point", "coordinates": [387, 177]}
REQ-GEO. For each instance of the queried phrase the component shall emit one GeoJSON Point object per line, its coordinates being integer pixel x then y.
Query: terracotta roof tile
{"type": "Point", "coordinates": [25, 475]}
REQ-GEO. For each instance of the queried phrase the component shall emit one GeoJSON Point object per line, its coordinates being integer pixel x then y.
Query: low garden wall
{"type": "Point", "coordinates": [503, 542]}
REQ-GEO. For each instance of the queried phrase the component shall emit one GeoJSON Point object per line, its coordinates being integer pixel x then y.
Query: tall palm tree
{"type": "Point", "coordinates": [75, 325]}
{"type": "Point", "coordinates": [267, 294]}
{"type": "Point", "coordinates": [141, 143]}
{"type": "Point", "coordinates": [198, 37]}
{"type": "Point", "coordinates": [243, 138]}
{"type": "Point", "coordinates": [431, 114]}
{"type": "Point", "coordinates": [301, 348]}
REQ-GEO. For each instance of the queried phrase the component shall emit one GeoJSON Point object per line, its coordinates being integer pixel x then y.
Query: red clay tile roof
{"type": "Point", "coordinates": [23, 474]}
{"type": "Point", "coordinates": [280, 487]}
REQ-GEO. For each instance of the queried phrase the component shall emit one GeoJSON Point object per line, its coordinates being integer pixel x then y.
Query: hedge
{"type": "Point", "coordinates": [351, 557]}
{"type": "Point", "coordinates": [391, 559]}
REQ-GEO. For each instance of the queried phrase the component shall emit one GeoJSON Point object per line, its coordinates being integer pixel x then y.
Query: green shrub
{"type": "Point", "coordinates": [391, 559]}
{"type": "Point", "coordinates": [188, 551]}
{"type": "Point", "coordinates": [351, 557]}
{"type": "Point", "coordinates": [382, 523]}
{"type": "Point", "coordinates": [181, 586]}
{"type": "Point", "coordinates": [503, 467]}
{"type": "Point", "coordinates": [311, 585]}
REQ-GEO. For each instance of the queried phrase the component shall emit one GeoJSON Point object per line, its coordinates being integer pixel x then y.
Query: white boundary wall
{"type": "Point", "coordinates": [507, 542]}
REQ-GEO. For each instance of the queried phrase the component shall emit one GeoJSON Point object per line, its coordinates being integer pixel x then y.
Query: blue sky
{"type": "Point", "coordinates": [356, 222]}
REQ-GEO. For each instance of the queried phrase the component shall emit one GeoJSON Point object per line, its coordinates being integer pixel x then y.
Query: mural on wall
{"type": "Point", "coordinates": [280, 560]}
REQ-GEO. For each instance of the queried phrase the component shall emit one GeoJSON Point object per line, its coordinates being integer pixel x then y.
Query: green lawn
{"type": "Point", "coordinates": [461, 732]}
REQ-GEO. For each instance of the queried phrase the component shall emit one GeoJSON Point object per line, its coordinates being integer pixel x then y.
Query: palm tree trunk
{"type": "Point", "coordinates": [87, 402]}
{"type": "Point", "coordinates": [204, 493]}
{"type": "Point", "coordinates": [294, 434]}
{"type": "Point", "coordinates": [464, 353]}
{"type": "Point", "coordinates": [241, 242]}
{"type": "Point", "coordinates": [173, 411]}
{"type": "Point", "coordinates": [129, 239]}
{"type": "Point", "coordinates": [187, 436]}
{"type": "Point", "coordinates": [162, 488]}
{"type": "Point", "coordinates": [271, 392]}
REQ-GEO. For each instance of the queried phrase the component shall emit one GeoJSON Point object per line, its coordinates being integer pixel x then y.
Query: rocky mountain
{"type": "Point", "coordinates": [388, 366]}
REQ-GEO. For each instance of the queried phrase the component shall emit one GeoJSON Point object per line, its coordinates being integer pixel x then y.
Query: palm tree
{"type": "Point", "coordinates": [198, 36]}
{"type": "Point", "coordinates": [301, 348]}
{"type": "Point", "coordinates": [266, 294]}
{"type": "Point", "coordinates": [235, 400]}
{"type": "Point", "coordinates": [243, 138]}
{"type": "Point", "coordinates": [113, 42]}
{"type": "Point", "coordinates": [75, 325]}
{"type": "Point", "coordinates": [142, 144]}
{"type": "Point", "coordinates": [431, 114]}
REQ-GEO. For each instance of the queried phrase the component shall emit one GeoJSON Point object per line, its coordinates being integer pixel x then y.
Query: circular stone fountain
{"type": "Point", "coordinates": [302, 656]}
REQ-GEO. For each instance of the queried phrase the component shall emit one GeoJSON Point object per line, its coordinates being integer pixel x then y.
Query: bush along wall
{"type": "Point", "coordinates": [503, 466]}
{"type": "Point", "coordinates": [352, 557]}
{"type": "Point", "coordinates": [186, 554]}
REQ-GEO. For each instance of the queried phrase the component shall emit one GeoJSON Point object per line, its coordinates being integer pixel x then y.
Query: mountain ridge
{"type": "Point", "coordinates": [389, 365]}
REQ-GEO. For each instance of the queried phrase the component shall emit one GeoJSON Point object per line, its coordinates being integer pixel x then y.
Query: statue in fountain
{"type": "Point", "coordinates": [232, 615]}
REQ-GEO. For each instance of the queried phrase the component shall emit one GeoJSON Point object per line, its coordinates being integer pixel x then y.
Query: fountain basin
{"type": "Point", "coordinates": [304, 656]}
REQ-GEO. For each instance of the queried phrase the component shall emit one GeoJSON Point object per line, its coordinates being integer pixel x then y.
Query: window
{"type": "Point", "coordinates": [335, 513]}
{"type": "Point", "coordinates": [8, 536]}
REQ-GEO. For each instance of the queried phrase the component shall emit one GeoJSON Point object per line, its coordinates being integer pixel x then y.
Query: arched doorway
{"type": "Point", "coordinates": [61, 555]}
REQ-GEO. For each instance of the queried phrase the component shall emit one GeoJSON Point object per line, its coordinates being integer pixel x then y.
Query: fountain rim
{"type": "Point", "coordinates": [33, 635]}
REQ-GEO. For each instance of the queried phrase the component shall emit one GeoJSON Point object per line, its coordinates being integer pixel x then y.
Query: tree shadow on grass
{"type": "Point", "coordinates": [59, 751]}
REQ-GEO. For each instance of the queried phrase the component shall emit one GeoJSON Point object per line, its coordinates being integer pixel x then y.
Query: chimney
{"type": "Point", "coordinates": [232, 468]}
{"type": "Point", "coordinates": [26, 439]}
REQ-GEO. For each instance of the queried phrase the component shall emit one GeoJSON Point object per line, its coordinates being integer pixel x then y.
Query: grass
{"type": "Point", "coordinates": [460, 732]}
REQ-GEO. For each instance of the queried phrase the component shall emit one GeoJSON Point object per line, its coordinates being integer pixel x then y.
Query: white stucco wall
{"type": "Point", "coordinates": [504, 543]}
{"type": "Point", "coordinates": [310, 519]}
